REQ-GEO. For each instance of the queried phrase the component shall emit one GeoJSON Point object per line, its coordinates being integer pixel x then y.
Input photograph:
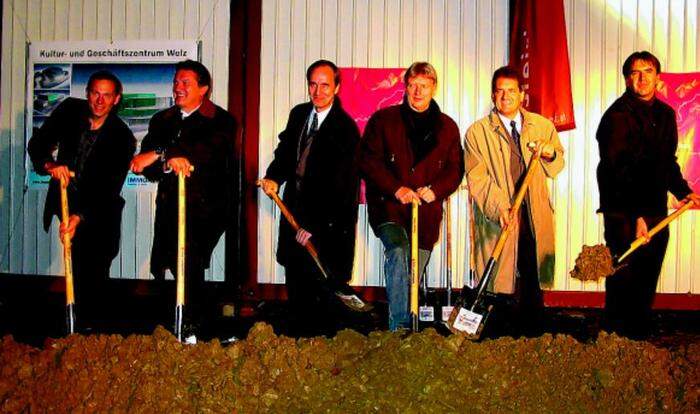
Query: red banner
{"type": "Point", "coordinates": [682, 92]}
{"type": "Point", "coordinates": [539, 50]}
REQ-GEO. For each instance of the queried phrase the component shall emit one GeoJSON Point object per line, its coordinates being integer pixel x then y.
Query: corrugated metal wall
{"type": "Point", "coordinates": [30, 250]}
{"type": "Point", "coordinates": [466, 40]}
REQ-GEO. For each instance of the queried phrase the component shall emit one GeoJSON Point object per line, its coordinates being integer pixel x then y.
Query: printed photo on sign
{"type": "Point", "coordinates": [59, 70]}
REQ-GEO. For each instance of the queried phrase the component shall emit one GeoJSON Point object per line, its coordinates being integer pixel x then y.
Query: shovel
{"type": "Point", "coordinates": [350, 300]}
{"type": "Point", "coordinates": [180, 274]}
{"type": "Point", "coordinates": [596, 262]}
{"type": "Point", "coordinates": [68, 260]}
{"type": "Point", "coordinates": [469, 319]}
{"type": "Point", "coordinates": [414, 265]}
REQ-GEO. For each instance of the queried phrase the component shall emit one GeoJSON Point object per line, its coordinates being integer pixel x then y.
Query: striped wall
{"type": "Point", "coordinates": [466, 40]}
{"type": "Point", "coordinates": [26, 248]}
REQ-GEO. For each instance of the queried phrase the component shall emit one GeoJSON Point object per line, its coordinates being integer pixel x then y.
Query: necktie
{"type": "Point", "coordinates": [514, 133]}
{"type": "Point", "coordinates": [306, 138]}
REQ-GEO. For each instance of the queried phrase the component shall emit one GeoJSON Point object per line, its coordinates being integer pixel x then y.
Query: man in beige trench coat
{"type": "Point", "coordinates": [498, 150]}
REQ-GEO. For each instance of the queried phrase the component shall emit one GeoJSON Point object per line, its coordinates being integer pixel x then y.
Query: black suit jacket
{"type": "Point", "coordinates": [638, 164]}
{"type": "Point", "coordinates": [207, 139]}
{"type": "Point", "coordinates": [95, 193]}
{"type": "Point", "coordinates": [326, 202]}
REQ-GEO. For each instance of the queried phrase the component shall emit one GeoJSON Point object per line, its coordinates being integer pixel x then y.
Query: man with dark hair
{"type": "Point", "coordinates": [317, 159]}
{"type": "Point", "coordinates": [195, 137]}
{"type": "Point", "coordinates": [498, 151]}
{"type": "Point", "coordinates": [637, 138]}
{"type": "Point", "coordinates": [409, 152]}
{"type": "Point", "coordinates": [95, 145]}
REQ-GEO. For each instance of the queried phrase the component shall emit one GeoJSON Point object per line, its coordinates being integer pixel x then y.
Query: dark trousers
{"type": "Point", "coordinates": [630, 292]}
{"type": "Point", "coordinates": [93, 249]}
{"type": "Point", "coordinates": [529, 302]}
{"type": "Point", "coordinates": [311, 301]}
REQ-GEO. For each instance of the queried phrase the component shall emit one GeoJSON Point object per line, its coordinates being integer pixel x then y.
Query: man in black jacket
{"type": "Point", "coordinates": [193, 133]}
{"type": "Point", "coordinates": [96, 146]}
{"type": "Point", "coordinates": [409, 152]}
{"type": "Point", "coordinates": [637, 138]}
{"type": "Point", "coordinates": [317, 159]}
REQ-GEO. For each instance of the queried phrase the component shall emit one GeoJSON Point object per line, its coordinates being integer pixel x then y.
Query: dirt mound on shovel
{"type": "Point", "coordinates": [593, 263]}
{"type": "Point", "coordinates": [384, 372]}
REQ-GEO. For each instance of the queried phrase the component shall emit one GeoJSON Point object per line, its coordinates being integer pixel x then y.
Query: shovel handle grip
{"type": "Point", "coordinates": [660, 226]}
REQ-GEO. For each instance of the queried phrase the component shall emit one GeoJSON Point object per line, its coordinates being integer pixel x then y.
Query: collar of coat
{"type": "Point", "coordinates": [433, 113]}
{"type": "Point", "coordinates": [330, 120]}
{"type": "Point", "coordinates": [335, 108]}
{"type": "Point", "coordinates": [207, 109]}
{"type": "Point", "coordinates": [502, 130]}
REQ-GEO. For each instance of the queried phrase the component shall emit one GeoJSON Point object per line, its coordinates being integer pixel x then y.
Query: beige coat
{"type": "Point", "coordinates": [491, 187]}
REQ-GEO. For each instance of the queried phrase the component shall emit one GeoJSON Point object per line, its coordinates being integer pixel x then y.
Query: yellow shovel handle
{"type": "Point", "coordinates": [67, 247]}
{"type": "Point", "coordinates": [663, 223]}
{"type": "Point", "coordinates": [414, 257]}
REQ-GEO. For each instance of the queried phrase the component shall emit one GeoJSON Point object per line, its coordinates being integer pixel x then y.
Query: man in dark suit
{"type": "Point", "coordinates": [193, 133]}
{"type": "Point", "coordinates": [317, 159]}
{"type": "Point", "coordinates": [96, 146]}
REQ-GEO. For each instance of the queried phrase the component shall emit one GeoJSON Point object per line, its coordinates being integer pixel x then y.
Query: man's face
{"type": "Point", "coordinates": [102, 97]}
{"type": "Point", "coordinates": [642, 79]}
{"type": "Point", "coordinates": [508, 97]}
{"type": "Point", "coordinates": [322, 87]}
{"type": "Point", "coordinates": [186, 90]}
{"type": "Point", "coordinates": [419, 91]}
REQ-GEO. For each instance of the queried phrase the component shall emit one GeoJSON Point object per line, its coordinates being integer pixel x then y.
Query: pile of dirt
{"type": "Point", "coordinates": [382, 372]}
{"type": "Point", "coordinates": [593, 263]}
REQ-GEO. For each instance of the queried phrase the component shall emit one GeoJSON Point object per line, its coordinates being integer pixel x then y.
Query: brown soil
{"type": "Point", "coordinates": [382, 372]}
{"type": "Point", "coordinates": [593, 263]}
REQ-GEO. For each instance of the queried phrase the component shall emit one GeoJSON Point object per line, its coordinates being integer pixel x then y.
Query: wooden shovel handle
{"type": "Point", "coordinates": [414, 257]}
{"type": "Point", "coordinates": [67, 246]}
{"type": "Point", "coordinates": [519, 196]}
{"type": "Point", "coordinates": [663, 223]}
{"type": "Point", "coordinates": [295, 226]}
{"type": "Point", "coordinates": [181, 237]}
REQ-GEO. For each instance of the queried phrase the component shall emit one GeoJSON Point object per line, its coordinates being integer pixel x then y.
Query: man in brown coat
{"type": "Point", "coordinates": [409, 152]}
{"type": "Point", "coordinates": [498, 150]}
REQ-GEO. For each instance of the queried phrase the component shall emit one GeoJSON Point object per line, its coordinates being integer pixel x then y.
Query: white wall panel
{"type": "Point", "coordinates": [466, 41]}
{"type": "Point", "coordinates": [26, 247]}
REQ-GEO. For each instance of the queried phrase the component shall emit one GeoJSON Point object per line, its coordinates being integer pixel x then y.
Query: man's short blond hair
{"type": "Point", "coordinates": [420, 68]}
